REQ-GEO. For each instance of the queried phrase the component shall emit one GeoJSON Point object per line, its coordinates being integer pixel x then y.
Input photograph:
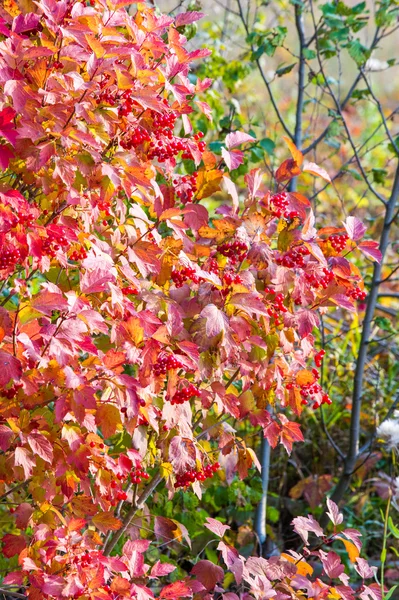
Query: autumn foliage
{"type": "Point", "coordinates": [136, 329]}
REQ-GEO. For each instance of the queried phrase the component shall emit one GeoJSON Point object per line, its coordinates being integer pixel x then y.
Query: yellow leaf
{"type": "Point", "coordinates": [295, 153]}
{"type": "Point", "coordinates": [11, 7]}
{"type": "Point", "coordinates": [96, 46]}
{"type": "Point", "coordinates": [222, 229]}
{"type": "Point", "coordinates": [105, 521]}
{"type": "Point", "coordinates": [135, 330]}
{"type": "Point", "coordinates": [302, 566]}
{"type": "Point", "coordinates": [208, 182]}
{"type": "Point", "coordinates": [38, 72]}
{"type": "Point", "coordinates": [351, 549]}
{"type": "Point", "coordinates": [165, 470]}
{"type": "Point", "coordinates": [124, 80]}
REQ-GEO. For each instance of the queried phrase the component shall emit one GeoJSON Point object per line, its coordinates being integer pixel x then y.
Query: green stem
{"type": "Point", "coordinates": [384, 544]}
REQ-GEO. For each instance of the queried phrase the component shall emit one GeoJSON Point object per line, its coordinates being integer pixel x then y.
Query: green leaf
{"type": "Point", "coordinates": [358, 52]}
{"type": "Point", "coordinates": [268, 145]}
{"type": "Point", "coordinates": [216, 147]}
{"type": "Point", "coordinates": [284, 70]}
{"type": "Point", "coordinates": [272, 514]}
{"type": "Point", "coordinates": [383, 323]}
{"type": "Point", "coordinates": [390, 593]}
{"type": "Point", "coordinates": [309, 54]}
{"type": "Point", "coordinates": [379, 175]}
{"type": "Point", "coordinates": [393, 529]}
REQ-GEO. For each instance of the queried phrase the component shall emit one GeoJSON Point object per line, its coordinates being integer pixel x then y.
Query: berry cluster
{"type": "Point", "coordinates": [181, 275]}
{"type": "Point", "coordinates": [9, 257]}
{"type": "Point", "coordinates": [25, 220]}
{"type": "Point", "coordinates": [184, 394]}
{"type": "Point", "coordinates": [311, 391]}
{"type": "Point", "coordinates": [279, 204]}
{"type": "Point", "coordinates": [55, 66]}
{"type": "Point", "coordinates": [165, 150]}
{"type": "Point", "coordinates": [190, 476]}
{"type": "Point", "coordinates": [107, 97]}
{"type": "Point", "coordinates": [277, 306]}
{"type": "Point", "coordinates": [318, 358]}
{"type": "Point", "coordinates": [165, 363]}
{"type": "Point", "coordinates": [235, 251]}
{"type": "Point", "coordinates": [229, 278]}
{"type": "Point", "coordinates": [53, 242]}
{"type": "Point", "coordinates": [78, 254]}
{"type": "Point", "coordinates": [294, 257]}
{"type": "Point", "coordinates": [316, 281]}
{"type": "Point", "coordinates": [126, 104]}
{"type": "Point", "coordinates": [163, 123]}
{"type": "Point", "coordinates": [138, 474]}
{"type": "Point", "coordinates": [212, 266]}
{"type": "Point", "coordinates": [129, 290]}
{"type": "Point", "coordinates": [357, 294]}
{"type": "Point", "coordinates": [135, 138]}
{"type": "Point", "coordinates": [338, 241]}
{"type": "Point", "coordinates": [187, 187]}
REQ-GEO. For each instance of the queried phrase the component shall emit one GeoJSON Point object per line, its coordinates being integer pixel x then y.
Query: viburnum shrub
{"type": "Point", "coordinates": [135, 329]}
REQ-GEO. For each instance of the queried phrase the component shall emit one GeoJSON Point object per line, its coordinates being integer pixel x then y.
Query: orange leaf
{"type": "Point", "coordinates": [105, 521]}
{"type": "Point", "coordinates": [287, 170]}
{"type": "Point", "coordinates": [351, 549]}
{"type": "Point", "coordinates": [295, 153]}
{"type": "Point", "coordinates": [304, 377]}
{"type": "Point", "coordinates": [208, 182]}
{"type": "Point", "coordinates": [108, 418]}
{"type": "Point", "coordinates": [96, 46]}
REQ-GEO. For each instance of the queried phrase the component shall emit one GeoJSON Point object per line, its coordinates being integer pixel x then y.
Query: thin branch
{"type": "Point", "coordinates": [341, 115]}
{"type": "Point", "coordinates": [300, 27]}
{"type": "Point", "coordinates": [263, 76]}
{"type": "Point", "coordinates": [345, 101]}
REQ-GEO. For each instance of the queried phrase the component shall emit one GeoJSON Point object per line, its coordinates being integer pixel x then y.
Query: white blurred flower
{"type": "Point", "coordinates": [374, 64]}
{"type": "Point", "coordinates": [389, 431]}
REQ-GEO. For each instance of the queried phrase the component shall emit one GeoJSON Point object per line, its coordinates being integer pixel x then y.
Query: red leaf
{"type": "Point", "coordinates": [332, 565]}
{"type": "Point", "coordinates": [188, 17]}
{"type": "Point", "coordinates": [41, 446]}
{"type": "Point", "coordinates": [176, 590]}
{"type": "Point", "coordinates": [5, 323]}
{"type": "Point", "coordinates": [290, 433]}
{"type": "Point", "coordinates": [304, 525]}
{"type": "Point", "coordinates": [160, 569]}
{"type": "Point", "coordinates": [370, 249]}
{"type": "Point", "coordinates": [287, 170]}
{"type": "Point", "coordinates": [333, 512]}
{"type": "Point", "coordinates": [216, 526]}
{"type": "Point", "coordinates": [236, 138]}
{"type": "Point", "coordinates": [354, 228]}
{"type": "Point", "coordinates": [10, 368]}
{"type": "Point", "coordinates": [233, 159]}
{"type": "Point", "coordinates": [216, 320]}
{"type": "Point", "coordinates": [47, 301]}
{"type": "Point", "coordinates": [182, 453]}
{"type": "Point", "coordinates": [13, 544]}
{"type": "Point", "coordinates": [208, 573]}
{"type": "Point", "coordinates": [6, 435]}
{"type": "Point", "coordinates": [23, 458]}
